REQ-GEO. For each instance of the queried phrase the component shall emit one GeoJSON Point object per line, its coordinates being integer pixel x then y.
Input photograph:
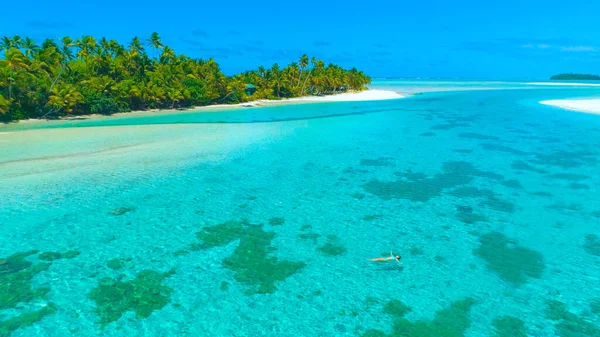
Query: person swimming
{"type": "Point", "coordinates": [389, 258]}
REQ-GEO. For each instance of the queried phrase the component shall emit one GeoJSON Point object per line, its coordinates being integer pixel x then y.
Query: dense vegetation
{"type": "Point", "coordinates": [88, 76]}
{"type": "Point", "coordinates": [570, 76]}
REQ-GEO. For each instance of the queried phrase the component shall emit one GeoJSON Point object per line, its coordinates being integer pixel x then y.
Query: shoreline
{"type": "Point", "coordinates": [590, 106]}
{"type": "Point", "coordinates": [360, 96]}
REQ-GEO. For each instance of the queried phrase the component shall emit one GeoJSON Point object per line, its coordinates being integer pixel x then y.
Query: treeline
{"type": "Point", "coordinates": [580, 77]}
{"type": "Point", "coordinates": [85, 76]}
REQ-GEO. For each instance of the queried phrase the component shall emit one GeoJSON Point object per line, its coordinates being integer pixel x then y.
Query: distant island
{"type": "Point", "coordinates": [86, 76]}
{"type": "Point", "coordinates": [580, 77]}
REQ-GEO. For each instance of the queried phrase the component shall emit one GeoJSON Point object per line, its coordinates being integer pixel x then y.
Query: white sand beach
{"type": "Point", "coordinates": [361, 96]}
{"type": "Point", "coordinates": [367, 95]}
{"type": "Point", "coordinates": [572, 84]}
{"type": "Point", "coordinates": [582, 105]}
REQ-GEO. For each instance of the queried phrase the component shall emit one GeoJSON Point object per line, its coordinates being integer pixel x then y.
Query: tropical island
{"type": "Point", "coordinates": [579, 77]}
{"type": "Point", "coordinates": [89, 76]}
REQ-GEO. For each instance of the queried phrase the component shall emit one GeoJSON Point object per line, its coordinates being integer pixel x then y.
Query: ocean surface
{"type": "Point", "coordinates": [262, 221]}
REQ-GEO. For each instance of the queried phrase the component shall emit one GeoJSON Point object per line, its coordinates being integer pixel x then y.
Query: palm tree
{"type": "Point", "coordinates": [65, 97]}
{"type": "Point", "coordinates": [17, 42]}
{"type": "Point", "coordinates": [15, 60]}
{"type": "Point", "coordinates": [4, 105]}
{"type": "Point", "coordinates": [6, 43]}
{"type": "Point", "coordinates": [104, 45]}
{"type": "Point", "coordinates": [313, 61]}
{"type": "Point", "coordinates": [30, 47]}
{"type": "Point", "coordinates": [292, 71]}
{"type": "Point", "coordinates": [303, 64]}
{"type": "Point", "coordinates": [69, 76]}
{"type": "Point", "coordinates": [262, 73]}
{"type": "Point", "coordinates": [102, 84]}
{"type": "Point", "coordinates": [135, 46]}
{"type": "Point", "coordinates": [277, 78]}
{"type": "Point", "coordinates": [167, 55]}
{"type": "Point", "coordinates": [155, 42]}
{"type": "Point", "coordinates": [87, 46]}
{"type": "Point", "coordinates": [67, 44]}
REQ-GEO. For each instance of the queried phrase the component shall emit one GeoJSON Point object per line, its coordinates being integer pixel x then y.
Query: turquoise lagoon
{"type": "Point", "coordinates": [261, 221]}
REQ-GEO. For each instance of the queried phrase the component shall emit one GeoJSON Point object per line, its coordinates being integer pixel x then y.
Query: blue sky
{"type": "Point", "coordinates": [509, 39]}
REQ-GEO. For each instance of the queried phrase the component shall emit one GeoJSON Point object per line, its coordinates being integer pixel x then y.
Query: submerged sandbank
{"type": "Point", "coordinates": [575, 84]}
{"type": "Point", "coordinates": [582, 105]}
{"type": "Point", "coordinates": [367, 95]}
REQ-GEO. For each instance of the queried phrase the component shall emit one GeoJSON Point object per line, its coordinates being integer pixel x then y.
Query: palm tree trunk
{"type": "Point", "coordinates": [299, 77]}
{"type": "Point", "coordinates": [304, 85]}
{"type": "Point", "coordinates": [57, 77]}
{"type": "Point", "coordinates": [10, 85]}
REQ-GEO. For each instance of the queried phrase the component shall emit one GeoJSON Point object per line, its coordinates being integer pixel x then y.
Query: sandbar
{"type": "Point", "coordinates": [582, 105]}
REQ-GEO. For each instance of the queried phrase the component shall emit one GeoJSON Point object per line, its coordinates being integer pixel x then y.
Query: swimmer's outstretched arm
{"type": "Point", "coordinates": [394, 258]}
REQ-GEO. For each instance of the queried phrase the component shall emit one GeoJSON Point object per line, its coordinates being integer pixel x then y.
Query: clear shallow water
{"type": "Point", "coordinates": [485, 194]}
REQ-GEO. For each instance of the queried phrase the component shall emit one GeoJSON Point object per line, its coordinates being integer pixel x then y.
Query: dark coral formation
{"type": "Point", "coordinates": [276, 221]}
{"type": "Point", "coordinates": [311, 236]}
{"type": "Point", "coordinates": [25, 319]}
{"type": "Point", "coordinates": [524, 166]}
{"type": "Point", "coordinates": [561, 206]}
{"type": "Point", "coordinates": [472, 192]}
{"type": "Point", "coordinates": [578, 186]}
{"type": "Point", "coordinates": [466, 215]}
{"type": "Point", "coordinates": [252, 261]}
{"type": "Point", "coordinates": [567, 324]}
{"type": "Point", "coordinates": [142, 295]}
{"type": "Point", "coordinates": [396, 308]}
{"type": "Point", "coordinates": [512, 183]}
{"type": "Point", "coordinates": [415, 186]}
{"type": "Point", "coordinates": [592, 244]}
{"type": "Point", "coordinates": [382, 161]}
{"type": "Point", "coordinates": [222, 234]}
{"type": "Point", "coordinates": [568, 176]}
{"type": "Point", "coordinates": [509, 326]}
{"type": "Point", "coordinates": [449, 126]}
{"type": "Point", "coordinates": [452, 322]}
{"type": "Point", "coordinates": [116, 263]}
{"type": "Point", "coordinates": [499, 205]}
{"type": "Point", "coordinates": [16, 274]}
{"type": "Point", "coordinates": [595, 306]}
{"type": "Point", "coordinates": [416, 251]}
{"type": "Point", "coordinates": [121, 210]}
{"type": "Point", "coordinates": [542, 194]}
{"type": "Point", "coordinates": [16, 287]}
{"type": "Point", "coordinates": [503, 148]}
{"type": "Point", "coordinates": [566, 159]}
{"type": "Point", "coordinates": [332, 247]}
{"type": "Point", "coordinates": [479, 136]}
{"type": "Point", "coordinates": [51, 256]}
{"type": "Point", "coordinates": [510, 261]}
{"type": "Point", "coordinates": [462, 151]}
{"type": "Point", "coordinates": [371, 217]}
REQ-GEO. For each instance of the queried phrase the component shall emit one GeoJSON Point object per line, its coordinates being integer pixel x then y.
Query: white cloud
{"type": "Point", "coordinates": [561, 48]}
{"type": "Point", "coordinates": [579, 48]}
{"type": "Point", "coordinates": [537, 46]}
